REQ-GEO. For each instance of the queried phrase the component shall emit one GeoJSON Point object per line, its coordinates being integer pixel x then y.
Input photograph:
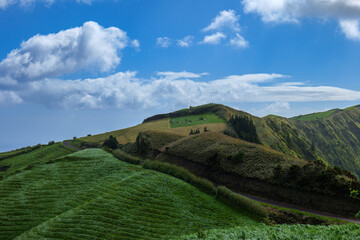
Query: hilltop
{"type": "Point", "coordinates": [332, 137]}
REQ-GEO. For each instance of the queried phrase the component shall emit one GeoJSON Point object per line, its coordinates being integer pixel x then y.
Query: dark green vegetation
{"type": "Point", "coordinates": [91, 194]}
{"type": "Point", "coordinates": [111, 142]}
{"type": "Point", "coordinates": [194, 120]}
{"type": "Point", "coordinates": [244, 128]}
{"type": "Point", "coordinates": [281, 232]}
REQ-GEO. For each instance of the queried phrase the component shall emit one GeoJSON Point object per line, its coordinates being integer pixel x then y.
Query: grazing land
{"type": "Point", "coordinates": [195, 120]}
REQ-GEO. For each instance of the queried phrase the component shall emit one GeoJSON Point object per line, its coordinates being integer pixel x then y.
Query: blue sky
{"type": "Point", "coordinates": [69, 68]}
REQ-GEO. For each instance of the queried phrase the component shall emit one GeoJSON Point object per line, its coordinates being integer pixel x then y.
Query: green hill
{"type": "Point", "coordinates": [92, 195]}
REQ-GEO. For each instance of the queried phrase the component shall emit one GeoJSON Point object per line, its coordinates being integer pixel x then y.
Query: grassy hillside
{"type": "Point", "coordinates": [27, 160]}
{"type": "Point", "coordinates": [332, 136]}
{"type": "Point", "coordinates": [128, 135]}
{"type": "Point", "coordinates": [334, 139]}
{"type": "Point", "coordinates": [282, 232]}
{"type": "Point", "coordinates": [316, 116]}
{"type": "Point", "coordinates": [218, 149]}
{"type": "Point", "coordinates": [91, 194]}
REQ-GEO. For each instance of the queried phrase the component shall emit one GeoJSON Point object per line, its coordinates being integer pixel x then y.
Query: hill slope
{"type": "Point", "coordinates": [91, 194]}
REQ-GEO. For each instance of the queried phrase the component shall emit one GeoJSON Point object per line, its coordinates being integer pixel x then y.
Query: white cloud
{"type": "Point", "coordinates": [239, 42]}
{"type": "Point", "coordinates": [278, 107]}
{"type": "Point", "coordinates": [89, 47]}
{"type": "Point", "coordinates": [225, 19]}
{"type": "Point", "coordinates": [185, 42]}
{"type": "Point", "coordinates": [126, 91]}
{"type": "Point", "coordinates": [163, 42]}
{"type": "Point", "coordinates": [344, 11]}
{"type": "Point", "coordinates": [27, 3]}
{"type": "Point", "coordinates": [179, 75]}
{"type": "Point", "coordinates": [213, 38]}
{"type": "Point", "coordinates": [9, 97]}
{"type": "Point", "coordinates": [351, 29]}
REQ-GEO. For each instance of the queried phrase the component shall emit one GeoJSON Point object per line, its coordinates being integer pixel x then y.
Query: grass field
{"type": "Point", "coordinates": [128, 135]}
{"type": "Point", "coordinates": [194, 120]}
{"type": "Point", "coordinates": [315, 116]}
{"type": "Point", "coordinates": [37, 156]}
{"type": "Point", "coordinates": [92, 195]}
{"type": "Point", "coordinates": [282, 232]}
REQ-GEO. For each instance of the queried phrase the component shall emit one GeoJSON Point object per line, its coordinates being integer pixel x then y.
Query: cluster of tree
{"type": "Point", "coordinates": [111, 142]}
{"type": "Point", "coordinates": [244, 128]}
{"type": "Point", "coordinates": [315, 177]}
{"type": "Point", "coordinates": [197, 131]}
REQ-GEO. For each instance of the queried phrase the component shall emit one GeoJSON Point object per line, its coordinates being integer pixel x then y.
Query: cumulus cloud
{"type": "Point", "coordinates": [213, 38]}
{"type": "Point", "coordinates": [347, 12]}
{"type": "Point", "coordinates": [89, 47]}
{"type": "Point", "coordinates": [225, 19]}
{"type": "Point", "coordinates": [167, 89]}
{"type": "Point", "coordinates": [239, 42]}
{"type": "Point", "coordinates": [351, 29]}
{"type": "Point", "coordinates": [185, 42]}
{"type": "Point", "coordinates": [278, 107]}
{"type": "Point", "coordinates": [9, 97]}
{"type": "Point", "coordinates": [163, 42]}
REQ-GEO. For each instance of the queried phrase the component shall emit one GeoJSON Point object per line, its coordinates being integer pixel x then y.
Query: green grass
{"type": "Point", "coordinates": [315, 116]}
{"type": "Point", "coordinates": [92, 195]}
{"type": "Point", "coordinates": [282, 232]}
{"type": "Point", "coordinates": [8, 154]}
{"type": "Point", "coordinates": [38, 156]}
{"type": "Point", "coordinates": [193, 120]}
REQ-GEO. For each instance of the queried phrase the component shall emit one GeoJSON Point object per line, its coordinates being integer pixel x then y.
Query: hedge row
{"type": "Point", "coordinates": [222, 193]}
{"type": "Point", "coordinates": [181, 173]}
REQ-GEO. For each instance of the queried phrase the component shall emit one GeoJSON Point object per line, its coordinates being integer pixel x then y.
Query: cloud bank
{"type": "Point", "coordinates": [89, 47]}
{"type": "Point", "coordinates": [346, 12]}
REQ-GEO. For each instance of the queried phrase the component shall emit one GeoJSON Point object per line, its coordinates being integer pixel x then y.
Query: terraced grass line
{"type": "Point", "coordinates": [193, 120]}
{"type": "Point", "coordinates": [92, 195]}
{"type": "Point", "coordinates": [39, 156]}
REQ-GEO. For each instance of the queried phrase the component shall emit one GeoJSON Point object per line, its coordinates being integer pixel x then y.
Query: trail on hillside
{"type": "Point", "coordinates": [290, 206]}
{"type": "Point", "coordinates": [68, 144]}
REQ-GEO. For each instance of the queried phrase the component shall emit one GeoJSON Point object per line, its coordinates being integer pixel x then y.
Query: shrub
{"type": "Point", "coordinates": [74, 137]}
{"type": "Point", "coordinates": [51, 143]}
{"type": "Point", "coordinates": [111, 142]}
{"type": "Point", "coordinates": [89, 135]}
{"type": "Point", "coordinates": [241, 202]}
{"type": "Point", "coordinates": [238, 157]}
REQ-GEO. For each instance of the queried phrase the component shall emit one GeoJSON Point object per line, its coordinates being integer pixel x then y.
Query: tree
{"type": "Point", "coordinates": [111, 142]}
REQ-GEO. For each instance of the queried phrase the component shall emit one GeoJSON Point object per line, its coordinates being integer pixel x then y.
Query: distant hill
{"type": "Point", "coordinates": [332, 136]}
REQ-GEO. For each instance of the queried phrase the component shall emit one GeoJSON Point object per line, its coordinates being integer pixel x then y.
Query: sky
{"type": "Point", "coordinates": [76, 67]}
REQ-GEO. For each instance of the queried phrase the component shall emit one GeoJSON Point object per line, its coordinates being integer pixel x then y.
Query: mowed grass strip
{"type": "Point", "coordinates": [92, 195]}
{"type": "Point", "coordinates": [193, 120]}
{"type": "Point", "coordinates": [38, 156]}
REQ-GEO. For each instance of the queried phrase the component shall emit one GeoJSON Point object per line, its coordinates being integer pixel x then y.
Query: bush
{"type": "Point", "coordinates": [111, 142]}
{"type": "Point", "coordinates": [241, 202]}
{"type": "Point", "coordinates": [51, 143]}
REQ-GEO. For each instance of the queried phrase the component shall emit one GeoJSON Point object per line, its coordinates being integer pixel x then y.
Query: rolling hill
{"type": "Point", "coordinates": [92, 195]}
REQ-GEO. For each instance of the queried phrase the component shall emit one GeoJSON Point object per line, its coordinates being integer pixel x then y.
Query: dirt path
{"type": "Point", "coordinates": [68, 144]}
{"type": "Point", "coordinates": [290, 206]}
